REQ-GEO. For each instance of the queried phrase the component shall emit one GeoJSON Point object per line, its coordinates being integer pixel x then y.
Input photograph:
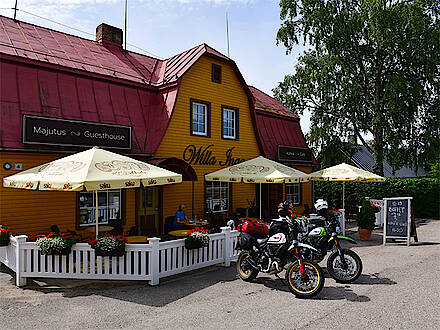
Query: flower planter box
{"type": "Point", "coordinates": [56, 252]}
{"type": "Point", "coordinates": [4, 242]}
{"type": "Point", "coordinates": [192, 244]}
{"type": "Point", "coordinates": [112, 253]}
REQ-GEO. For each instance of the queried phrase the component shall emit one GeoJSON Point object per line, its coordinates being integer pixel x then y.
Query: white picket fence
{"type": "Point", "coordinates": [146, 262]}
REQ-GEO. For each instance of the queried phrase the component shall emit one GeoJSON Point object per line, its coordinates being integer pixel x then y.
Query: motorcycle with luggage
{"type": "Point", "coordinates": [276, 248]}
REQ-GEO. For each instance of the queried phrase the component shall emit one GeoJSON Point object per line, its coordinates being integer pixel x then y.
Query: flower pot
{"type": "Point", "coordinates": [364, 234]}
{"type": "Point", "coordinates": [4, 242]}
{"type": "Point", "coordinates": [193, 244]}
{"type": "Point", "coordinates": [119, 252]}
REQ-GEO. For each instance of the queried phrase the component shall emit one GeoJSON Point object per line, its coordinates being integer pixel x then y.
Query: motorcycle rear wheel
{"type": "Point", "coordinates": [341, 275]}
{"type": "Point", "coordinates": [245, 271]}
{"type": "Point", "coordinates": [305, 287]}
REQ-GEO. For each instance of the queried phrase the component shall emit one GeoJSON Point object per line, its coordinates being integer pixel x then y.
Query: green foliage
{"type": "Point", "coordinates": [366, 217]}
{"type": "Point", "coordinates": [435, 169]}
{"type": "Point", "coordinates": [425, 193]}
{"type": "Point", "coordinates": [372, 68]}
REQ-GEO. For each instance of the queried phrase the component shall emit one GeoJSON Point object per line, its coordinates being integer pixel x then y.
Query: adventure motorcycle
{"type": "Point", "coordinates": [277, 251]}
{"type": "Point", "coordinates": [344, 265]}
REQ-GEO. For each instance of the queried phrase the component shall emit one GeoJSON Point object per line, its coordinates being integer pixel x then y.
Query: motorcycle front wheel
{"type": "Point", "coordinates": [308, 285]}
{"type": "Point", "coordinates": [244, 269]}
{"type": "Point", "coordinates": [348, 273]}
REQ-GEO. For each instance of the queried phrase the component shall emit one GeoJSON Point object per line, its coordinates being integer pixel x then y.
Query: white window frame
{"type": "Point", "coordinates": [293, 193]}
{"type": "Point", "coordinates": [233, 137]}
{"type": "Point", "coordinates": [205, 107]}
{"type": "Point", "coordinates": [106, 212]}
{"type": "Point", "coordinates": [212, 202]}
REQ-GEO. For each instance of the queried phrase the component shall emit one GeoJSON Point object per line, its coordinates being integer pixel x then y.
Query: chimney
{"type": "Point", "coordinates": [105, 32]}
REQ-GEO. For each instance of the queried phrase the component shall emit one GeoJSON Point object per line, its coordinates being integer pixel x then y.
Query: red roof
{"type": "Point", "coordinates": [33, 42]}
{"type": "Point", "coordinates": [54, 74]}
{"type": "Point", "coordinates": [264, 102]}
{"type": "Point", "coordinates": [276, 124]}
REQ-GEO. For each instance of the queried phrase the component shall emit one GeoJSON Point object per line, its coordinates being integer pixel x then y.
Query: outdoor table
{"type": "Point", "coordinates": [178, 233]}
{"type": "Point", "coordinates": [91, 229]}
{"type": "Point", "coordinates": [198, 224]}
{"type": "Point", "coordinates": [137, 239]}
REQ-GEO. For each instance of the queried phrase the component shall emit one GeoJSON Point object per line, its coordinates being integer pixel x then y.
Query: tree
{"type": "Point", "coordinates": [372, 69]}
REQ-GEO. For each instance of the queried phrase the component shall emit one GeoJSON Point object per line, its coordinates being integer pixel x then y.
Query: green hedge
{"type": "Point", "coordinates": [425, 193]}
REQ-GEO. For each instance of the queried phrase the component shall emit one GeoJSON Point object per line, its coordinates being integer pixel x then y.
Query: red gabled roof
{"type": "Point", "coordinates": [32, 42]}
{"type": "Point", "coordinates": [64, 76]}
{"type": "Point", "coordinates": [264, 102]}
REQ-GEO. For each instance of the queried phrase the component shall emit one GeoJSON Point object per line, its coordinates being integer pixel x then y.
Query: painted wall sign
{"type": "Point", "coordinates": [55, 131]}
{"type": "Point", "coordinates": [204, 155]}
{"type": "Point", "coordinates": [286, 153]}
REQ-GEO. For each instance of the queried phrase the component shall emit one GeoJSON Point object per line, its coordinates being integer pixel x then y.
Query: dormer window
{"type": "Point", "coordinates": [216, 73]}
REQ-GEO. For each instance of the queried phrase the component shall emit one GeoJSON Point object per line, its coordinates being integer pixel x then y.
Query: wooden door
{"type": "Point", "coordinates": [272, 195]}
{"type": "Point", "coordinates": [147, 210]}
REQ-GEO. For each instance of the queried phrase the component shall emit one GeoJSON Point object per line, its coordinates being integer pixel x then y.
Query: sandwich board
{"type": "Point", "coordinates": [397, 219]}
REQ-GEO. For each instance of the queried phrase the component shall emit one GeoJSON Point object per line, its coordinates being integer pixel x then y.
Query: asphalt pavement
{"type": "Point", "coordinates": [399, 289]}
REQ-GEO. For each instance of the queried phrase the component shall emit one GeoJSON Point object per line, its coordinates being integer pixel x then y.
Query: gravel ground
{"type": "Point", "coordinates": [399, 289]}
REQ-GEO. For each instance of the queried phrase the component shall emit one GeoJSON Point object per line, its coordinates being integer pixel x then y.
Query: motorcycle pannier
{"type": "Point", "coordinates": [245, 241]}
{"type": "Point", "coordinates": [253, 228]}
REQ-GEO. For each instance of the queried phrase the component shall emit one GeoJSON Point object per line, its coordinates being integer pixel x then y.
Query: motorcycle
{"type": "Point", "coordinates": [344, 265]}
{"type": "Point", "coordinates": [280, 250]}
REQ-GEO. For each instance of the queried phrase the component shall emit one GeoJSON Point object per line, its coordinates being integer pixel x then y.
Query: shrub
{"type": "Point", "coordinates": [425, 193]}
{"type": "Point", "coordinates": [109, 245]}
{"type": "Point", "coordinates": [5, 234]}
{"type": "Point", "coordinates": [366, 217]}
{"type": "Point", "coordinates": [54, 244]}
{"type": "Point", "coordinates": [196, 238]}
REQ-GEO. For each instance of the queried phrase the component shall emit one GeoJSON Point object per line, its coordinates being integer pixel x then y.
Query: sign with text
{"type": "Point", "coordinates": [204, 155]}
{"type": "Point", "coordinates": [397, 220]}
{"type": "Point", "coordinates": [286, 153]}
{"type": "Point", "coordinates": [62, 132]}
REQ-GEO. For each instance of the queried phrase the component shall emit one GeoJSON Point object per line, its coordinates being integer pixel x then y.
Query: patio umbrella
{"type": "Point", "coordinates": [344, 172]}
{"type": "Point", "coordinates": [94, 169]}
{"type": "Point", "coordinates": [257, 170]}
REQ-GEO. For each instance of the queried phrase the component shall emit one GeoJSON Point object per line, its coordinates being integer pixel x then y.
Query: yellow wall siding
{"type": "Point", "coordinates": [32, 212]}
{"type": "Point", "coordinates": [306, 189]}
{"type": "Point", "coordinates": [197, 84]}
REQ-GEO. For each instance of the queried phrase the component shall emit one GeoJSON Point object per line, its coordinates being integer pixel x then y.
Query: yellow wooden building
{"type": "Point", "coordinates": [192, 114]}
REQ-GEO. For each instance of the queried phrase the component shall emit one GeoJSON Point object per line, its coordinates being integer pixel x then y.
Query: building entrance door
{"type": "Point", "coordinates": [272, 195]}
{"type": "Point", "coordinates": [147, 210]}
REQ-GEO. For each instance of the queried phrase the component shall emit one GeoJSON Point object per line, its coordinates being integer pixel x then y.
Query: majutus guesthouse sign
{"type": "Point", "coordinates": [55, 131]}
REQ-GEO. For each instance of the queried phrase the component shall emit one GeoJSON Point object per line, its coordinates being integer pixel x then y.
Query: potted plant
{"type": "Point", "coordinates": [376, 207]}
{"type": "Point", "coordinates": [196, 238]}
{"type": "Point", "coordinates": [365, 220]}
{"type": "Point", "coordinates": [109, 245]}
{"type": "Point", "coordinates": [54, 244]}
{"type": "Point", "coordinates": [5, 234]}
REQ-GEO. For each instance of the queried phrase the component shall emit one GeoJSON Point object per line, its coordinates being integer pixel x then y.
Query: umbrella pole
{"type": "Point", "coordinates": [343, 195]}
{"type": "Point", "coordinates": [96, 213]}
{"type": "Point", "coordinates": [261, 202]}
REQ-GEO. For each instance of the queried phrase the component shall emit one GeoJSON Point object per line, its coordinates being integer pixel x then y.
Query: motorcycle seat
{"type": "Point", "coordinates": [261, 241]}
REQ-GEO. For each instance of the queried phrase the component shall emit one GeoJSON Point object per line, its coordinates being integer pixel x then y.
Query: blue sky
{"type": "Point", "coordinates": [167, 27]}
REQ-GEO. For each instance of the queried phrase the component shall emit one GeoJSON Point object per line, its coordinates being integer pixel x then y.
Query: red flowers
{"type": "Point", "coordinates": [197, 229]}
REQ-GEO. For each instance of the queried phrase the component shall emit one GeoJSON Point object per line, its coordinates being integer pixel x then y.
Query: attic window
{"type": "Point", "coordinates": [216, 73]}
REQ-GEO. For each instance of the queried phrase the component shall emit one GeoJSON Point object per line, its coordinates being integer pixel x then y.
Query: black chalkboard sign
{"type": "Point", "coordinates": [397, 218]}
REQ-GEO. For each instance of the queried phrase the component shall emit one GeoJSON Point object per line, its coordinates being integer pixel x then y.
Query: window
{"type": "Point", "coordinates": [216, 74]}
{"type": "Point", "coordinates": [217, 196]}
{"type": "Point", "coordinates": [293, 193]}
{"type": "Point", "coordinates": [109, 206]}
{"type": "Point", "coordinates": [229, 123]}
{"type": "Point", "coordinates": [200, 118]}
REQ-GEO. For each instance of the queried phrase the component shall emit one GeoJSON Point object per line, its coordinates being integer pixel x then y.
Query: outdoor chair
{"type": "Point", "coordinates": [55, 229]}
{"type": "Point", "coordinates": [306, 211]}
{"type": "Point", "coordinates": [133, 231]}
{"type": "Point", "coordinates": [169, 224]}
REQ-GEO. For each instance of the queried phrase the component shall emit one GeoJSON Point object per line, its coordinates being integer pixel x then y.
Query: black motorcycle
{"type": "Point", "coordinates": [344, 265]}
{"type": "Point", "coordinates": [280, 250]}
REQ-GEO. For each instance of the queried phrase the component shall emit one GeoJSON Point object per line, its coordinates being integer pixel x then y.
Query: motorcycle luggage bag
{"type": "Point", "coordinates": [253, 228]}
{"type": "Point", "coordinates": [278, 227]}
{"type": "Point", "coordinates": [245, 241]}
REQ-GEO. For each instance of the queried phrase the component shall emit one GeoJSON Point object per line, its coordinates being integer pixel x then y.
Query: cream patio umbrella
{"type": "Point", "coordinates": [344, 172]}
{"type": "Point", "coordinates": [94, 169]}
{"type": "Point", "coordinates": [257, 170]}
